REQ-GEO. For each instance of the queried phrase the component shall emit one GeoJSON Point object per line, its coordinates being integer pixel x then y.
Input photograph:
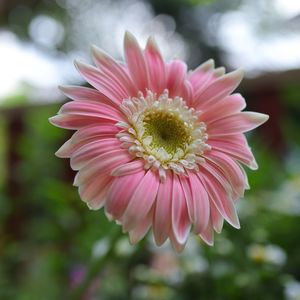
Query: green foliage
{"type": "Point", "coordinates": [57, 240]}
{"type": "Point", "coordinates": [53, 247]}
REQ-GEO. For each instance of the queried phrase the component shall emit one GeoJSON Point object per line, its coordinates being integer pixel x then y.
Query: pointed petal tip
{"type": "Point", "coordinates": [207, 241]}
{"type": "Point", "coordinates": [97, 52]}
{"type": "Point", "coordinates": [233, 219]}
{"type": "Point", "coordinates": [54, 120]}
{"type": "Point", "coordinates": [236, 224]}
{"type": "Point", "coordinates": [79, 65]}
{"type": "Point", "coordinates": [59, 153]}
{"type": "Point", "coordinates": [108, 215]}
{"type": "Point", "coordinates": [92, 206]}
{"type": "Point", "coordinates": [62, 88]}
{"type": "Point", "coordinates": [76, 62]}
{"type": "Point", "coordinates": [210, 62]}
{"type": "Point", "coordinates": [67, 89]}
{"type": "Point", "coordinates": [207, 65]}
{"type": "Point", "coordinates": [159, 242]}
{"type": "Point", "coordinates": [237, 74]}
{"type": "Point", "coordinates": [258, 118]}
{"type": "Point", "coordinates": [129, 38]}
{"type": "Point", "coordinates": [219, 71]}
{"type": "Point", "coordinates": [264, 118]}
{"type": "Point", "coordinates": [253, 165]}
{"type": "Point", "coordinates": [179, 248]}
{"type": "Point", "coordinates": [132, 240]}
{"type": "Point", "coordinates": [151, 43]}
{"type": "Point", "coordinates": [95, 47]}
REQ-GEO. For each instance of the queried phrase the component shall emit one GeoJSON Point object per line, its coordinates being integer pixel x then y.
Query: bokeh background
{"type": "Point", "coordinates": [52, 246]}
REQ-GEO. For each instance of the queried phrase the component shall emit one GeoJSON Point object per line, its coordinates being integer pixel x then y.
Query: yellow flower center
{"type": "Point", "coordinates": [167, 131]}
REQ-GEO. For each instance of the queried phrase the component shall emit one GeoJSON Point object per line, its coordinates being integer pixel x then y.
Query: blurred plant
{"type": "Point", "coordinates": [49, 242]}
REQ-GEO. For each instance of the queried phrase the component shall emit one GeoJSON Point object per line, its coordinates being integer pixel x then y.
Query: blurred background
{"type": "Point", "coordinates": [52, 246]}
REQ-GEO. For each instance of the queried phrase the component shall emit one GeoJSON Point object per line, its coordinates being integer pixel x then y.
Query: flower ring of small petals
{"type": "Point", "coordinates": [158, 146]}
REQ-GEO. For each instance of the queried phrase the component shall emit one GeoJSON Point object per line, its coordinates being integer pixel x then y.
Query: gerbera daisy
{"type": "Point", "coordinates": [158, 146]}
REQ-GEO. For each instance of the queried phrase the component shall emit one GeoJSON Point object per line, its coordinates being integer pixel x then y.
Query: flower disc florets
{"type": "Point", "coordinates": [157, 146]}
{"type": "Point", "coordinates": [164, 132]}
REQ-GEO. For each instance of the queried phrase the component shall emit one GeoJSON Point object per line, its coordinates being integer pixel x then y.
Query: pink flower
{"type": "Point", "coordinates": [158, 146]}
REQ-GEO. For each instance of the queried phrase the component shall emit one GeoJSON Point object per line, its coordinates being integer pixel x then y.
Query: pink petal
{"type": "Point", "coordinates": [237, 123]}
{"type": "Point", "coordinates": [180, 218]}
{"type": "Point", "coordinates": [231, 170]}
{"type": "Point", "coordinates": [86, 135]}
{"type": "Point", "coordinates": [120, 193]}
{"type": "Point", "coordinates": [93, 192]}
{"type": "Point", "coordinates": [218, 72]}
{"type": "Point", "coordinates": [176, 72]}
{"type": "Point", "coordinates": [220, 198]}
{"type": "Point", "coordinates": [135, 61]}
{"type": "Point", "coordinates": [200, 200]}
{"type": "Point", "coordinates": [186, 188]}
{"type": "Point", "coordinates": [102, 164]}
{"type": "Point", "coordinates": [162, 213]}
{"type": "Point", "coordinates": [80, 93]}
{"type": "Point", "coordinates": [187, 93]}
{"type": "Point", "coordinates": [201, 77]}
{"type": "Point", "coordinates": [91, 109]}
{"type": "Point", "coordinates": [178, 247]}
{"type": "Point", "coordinates": [65, 150]}
{"type": "Point", "coordinates": [156, 67]}
{"type": "Point", "coordinates": [87, 152]}
{"type": "Point", "coordinates": [137, 233]}
{"type": "Point", "coordinates": [114, 70]}
{"type": "Point", "coordinates": [207, 235]}
{"type": "Point", "coordinates": [141, 201]}
{"type": "Point", "coordinates": [98, 130]}
{"type": "Point", "coordinates": [129, 168]}
{"type": "Point", "coordinates": [227, 106]}
{"type": "Point", "coordinates": [237, 149]}
{"type": "Point", "coordinates": [101, 82]}
{"type": "Point", "coordinates": [216, 218]}
{"type": "Point", "coordinates": [99, 200]}
{"type": "Point", "coordinates": [78, 121]}
{"type": "Point", "coordinates": [219, 176]}
{"type": "Point", "coordinates": [218, 89]}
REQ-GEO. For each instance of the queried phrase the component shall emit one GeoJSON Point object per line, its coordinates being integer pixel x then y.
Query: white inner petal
{"type": "Point", "coordinates": [164, 132]}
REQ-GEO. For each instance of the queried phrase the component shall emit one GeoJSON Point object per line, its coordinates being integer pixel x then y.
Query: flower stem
{"type": "Point", "coordinates": [95, 265]}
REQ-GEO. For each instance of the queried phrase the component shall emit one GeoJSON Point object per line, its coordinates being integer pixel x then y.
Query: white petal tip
{"type": "Point", "coordinates": [152, 43]}
{"type": "Point", "coordinates": [76, 62]}
{"type": "Point", "coordinates": [108, 215]}
{"type": "Point", "coordinates": [253, 165]}
{"type": "Point", "coordinates": [236, 75]}
{"type": "Point", "coordinates": [207, 65]}
{"type": "Point", "coordinates": [53, 120]}
{"type": "Point", "coordinates": [60, 153]}
{"type": "Point", "coordinates": [264, 118]}
{"type": "Point", "coordinates": [207, 241]}
{"type": "Point", "coordinates": [97, 52]}
{"type": "Point", "coordinates": [219, 71]}
{"type": "Point", "coordinates": [257, 118]}
{"type": "Point", "coordinates": [234, 221]}
{"type": "Point", "coordinates": [159, 242]}
{"type": "Point", "coordinates": [236, 225]}
{"type": "Point", "coordinates": [92, 206]}
{"type": "Point", "coordinates": [129, 38]}
{"type": "Point", "coordinates": [79, 64]}
{"type": "Point", "coordinates": [62, 88]}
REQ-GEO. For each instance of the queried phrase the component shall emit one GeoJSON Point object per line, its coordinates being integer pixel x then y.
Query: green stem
{"type": "Point", "coordinates": [95, 266]}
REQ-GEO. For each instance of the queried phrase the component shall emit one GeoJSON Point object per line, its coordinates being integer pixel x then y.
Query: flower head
{"type": "Point", "coordinates": [158, 146]}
